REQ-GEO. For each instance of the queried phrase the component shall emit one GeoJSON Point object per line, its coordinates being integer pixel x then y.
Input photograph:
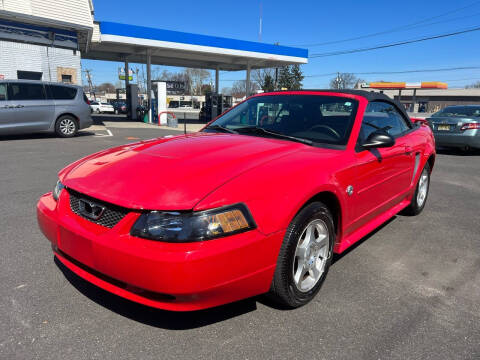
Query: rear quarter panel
{"type": "Point", "coordinates": [77, 107]}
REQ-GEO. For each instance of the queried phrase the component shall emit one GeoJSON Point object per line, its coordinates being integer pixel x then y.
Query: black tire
{"type": "Point", "coordinates": [415, 206]}
{"type": "Point", "coordinates": [283, 289]}
{"type": "Point", "coordinates": [66, 126]}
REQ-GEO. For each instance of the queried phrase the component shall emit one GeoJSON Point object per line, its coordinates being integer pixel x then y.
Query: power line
{"type": "Point", "coordinates": [405, 42]}
{"type": "Point", "coordinates": [401, 71]}
{"type": "Point", "coordinates": [458, 68]}
{"type": "Point", "coordinates": [396, 29]}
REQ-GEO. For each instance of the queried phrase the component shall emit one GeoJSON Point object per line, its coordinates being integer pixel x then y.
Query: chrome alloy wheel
{"type": "Point", "coordinates": [311, 255]}
{"type": "Point", "coordinates": [67, 126]}
{"type": "Point", "coordinates": [422, 188]}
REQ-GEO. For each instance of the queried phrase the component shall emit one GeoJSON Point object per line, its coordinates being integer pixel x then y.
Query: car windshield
{"type": "Point", "coordinates": [458, 111]}
{"type": "Point", "coordinates": [314, 118]}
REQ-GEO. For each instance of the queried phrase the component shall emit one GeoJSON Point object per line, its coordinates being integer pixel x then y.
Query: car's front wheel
{"type": "Point", "coordinates": [421, 193]}
{"type": "Point", "coordinates": [305, 256]}
{"type": "Point", "coordinates": [66, 126]}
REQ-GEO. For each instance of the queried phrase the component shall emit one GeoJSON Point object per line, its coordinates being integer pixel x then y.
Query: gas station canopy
{"type": "Point", "coordinates": [116, 42]}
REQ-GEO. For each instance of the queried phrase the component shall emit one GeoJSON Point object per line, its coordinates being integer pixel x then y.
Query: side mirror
{"type": "Point", "coordinates": [378, 139]}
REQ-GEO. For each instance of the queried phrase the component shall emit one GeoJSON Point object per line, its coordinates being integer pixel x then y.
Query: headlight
{"type": "Point", "coordinates": [193, 226]}
{"type": "Point", "coordinates": [57, 190]}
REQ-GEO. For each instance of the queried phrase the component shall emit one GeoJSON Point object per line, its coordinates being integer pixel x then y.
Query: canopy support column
{"type": "Point", "coordinates": [217, 79]}
{"type": "Point", "coordinates": [247, 83]}
{"type": "Point", "coordinates": [149, 85]}
{"type": "Point", "coordinates": [127, 89]}
{"type": "Point", "coordinates": [414, 100]}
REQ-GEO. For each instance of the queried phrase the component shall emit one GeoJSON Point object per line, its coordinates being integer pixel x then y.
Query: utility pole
{"type": "Point", "coordinates": [89, 79]}
{"type": "Point", "coordinates": [261, 24]}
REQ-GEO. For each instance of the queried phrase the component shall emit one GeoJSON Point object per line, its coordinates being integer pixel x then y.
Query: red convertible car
{"type": "Point", "coordinates": [256, 202]}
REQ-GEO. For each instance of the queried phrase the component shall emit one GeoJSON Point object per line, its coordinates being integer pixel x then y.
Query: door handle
{"type": "Point", "coordinates": [408, 150]}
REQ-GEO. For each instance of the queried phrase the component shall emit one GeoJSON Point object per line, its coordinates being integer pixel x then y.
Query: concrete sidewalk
{"type": "Point", "coordinates": [140, 125]}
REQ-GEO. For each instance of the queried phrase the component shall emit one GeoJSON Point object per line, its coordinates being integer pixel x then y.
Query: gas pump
{"type": "Point", "coordinates": [132, 101]}
{"type": "Point", "coordinates": [215, 104]}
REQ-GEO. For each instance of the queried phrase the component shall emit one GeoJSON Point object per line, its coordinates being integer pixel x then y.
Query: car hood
{"type": "Point", "coordinates": [171, 173]}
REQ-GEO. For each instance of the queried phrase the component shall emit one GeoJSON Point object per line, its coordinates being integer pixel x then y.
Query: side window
{"type": "Point", "coordinates": [382, 116]}
{"type": "Point", "coordinates": [59, 92]}
{"type": "Point", "coordinates": [3, 92]}
{"type": "Point", "coordinates": [26, 91]}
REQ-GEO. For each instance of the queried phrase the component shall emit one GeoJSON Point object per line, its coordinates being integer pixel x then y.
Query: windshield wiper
{"type": "Point", "coordinates": [258, 129]}
{"type": "Point", "coordinates": [221, 128]}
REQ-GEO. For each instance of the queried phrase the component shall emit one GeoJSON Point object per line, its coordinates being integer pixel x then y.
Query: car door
{"type": "Point", "coordinates": [6, 111]}
{"type": "Point", "coordinates": [383, 175]}
{"type": "Point", "coordinates": [33, 111]}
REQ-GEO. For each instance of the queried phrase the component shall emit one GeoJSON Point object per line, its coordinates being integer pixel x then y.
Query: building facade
{"type": "Point", "coordinates": [43, 39]}
{"type": "Point", "coordinates": [39, 62]}
{"type": "Point", "coordinates": [431, 101]}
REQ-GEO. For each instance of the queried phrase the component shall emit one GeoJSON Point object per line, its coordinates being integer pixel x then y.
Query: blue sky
{"type": "Point", "coordinates": [311, 22]}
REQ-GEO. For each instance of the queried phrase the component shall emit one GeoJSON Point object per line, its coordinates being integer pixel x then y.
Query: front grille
{"type": "Point", "coordinates": [110, 217]}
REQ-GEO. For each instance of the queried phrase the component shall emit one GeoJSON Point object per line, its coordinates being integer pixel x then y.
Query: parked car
{"type": "Point", "coordinates": [120, 107]}
{"type": "Point", "coordinates": [101, 107]}
{"type": "Point", "coordinates": [256, 202]}
{"type": "Point", "coordinates": [457, 126]}
{"type": "Point", "coordinates": [28, 106]}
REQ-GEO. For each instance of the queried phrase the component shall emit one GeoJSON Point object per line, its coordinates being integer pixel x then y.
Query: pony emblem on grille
{"type": "Point", "coordinates": [90, 209]}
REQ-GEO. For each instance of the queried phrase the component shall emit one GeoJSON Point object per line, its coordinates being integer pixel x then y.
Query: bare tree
{"type": "Point", "coordinates": [264, 78]}
{"type": "Point", "coordinates": [106, 87]}
{"type": "Point", "coordinates": [475, 85]}
{"type": "Point", "coordinates": [239, 88]}
{"type": "Point", "coordinates": [198, 78]}
{"type": "Point", "coordinates": [343, 81]}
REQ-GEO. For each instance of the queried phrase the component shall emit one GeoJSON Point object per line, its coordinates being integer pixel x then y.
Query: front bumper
{"type": "Point", "coordinates": [469, 138]}
{"type": "Point", "coordinates": [179, 277]}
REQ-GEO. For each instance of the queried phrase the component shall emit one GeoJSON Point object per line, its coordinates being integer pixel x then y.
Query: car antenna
{"type": "Point", "coordinates": [184, 123]}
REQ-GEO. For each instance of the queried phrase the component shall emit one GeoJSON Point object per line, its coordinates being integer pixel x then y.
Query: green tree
{"type": "Point", "coordinates": [268, 83]}
{"type": "Point", "coordinates": [284, 78]}
{"type": "Point", "coordinates": [290, 77]}
{"type": "Point", "coordinates": [297, 77]}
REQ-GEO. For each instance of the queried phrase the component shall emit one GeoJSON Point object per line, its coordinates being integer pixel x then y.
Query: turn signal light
{"type": "Point", "coordinates": [470, 126]}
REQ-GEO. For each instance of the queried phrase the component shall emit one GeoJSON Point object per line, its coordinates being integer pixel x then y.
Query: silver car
{"type": "Point", "coordinates": [457, 126]}
{"type": "Point", "coordinates": [34, 106]}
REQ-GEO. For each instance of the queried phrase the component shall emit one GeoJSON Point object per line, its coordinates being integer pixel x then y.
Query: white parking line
{"type": "Point", "coordinates": [109, 133]}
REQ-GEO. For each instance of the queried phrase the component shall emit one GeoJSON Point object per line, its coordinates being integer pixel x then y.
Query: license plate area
{"type": "Point", "coordinates": [443, 127]}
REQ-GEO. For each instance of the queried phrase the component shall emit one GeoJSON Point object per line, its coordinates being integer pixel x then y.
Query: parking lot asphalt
{"type": "Point", "coordinates": [410, 290]}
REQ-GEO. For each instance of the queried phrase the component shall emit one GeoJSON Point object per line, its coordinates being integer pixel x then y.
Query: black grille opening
{"type": "Point", "coordinates": [110, 217]}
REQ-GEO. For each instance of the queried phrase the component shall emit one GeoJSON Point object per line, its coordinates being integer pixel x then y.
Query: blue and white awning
{"type": "Point", "coordinates": [175, 48]}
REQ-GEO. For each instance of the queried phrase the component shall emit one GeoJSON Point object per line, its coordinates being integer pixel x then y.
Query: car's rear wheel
{"type": "Point", "coordinates": [421, 193]}
{"type": "Point", "coordinates": [66, 126]}
{"type": "Point", "coordinates": [305, 256]}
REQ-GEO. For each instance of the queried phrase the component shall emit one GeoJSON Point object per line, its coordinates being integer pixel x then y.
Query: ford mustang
{"type": "Point", "coordinates": [256, 202]}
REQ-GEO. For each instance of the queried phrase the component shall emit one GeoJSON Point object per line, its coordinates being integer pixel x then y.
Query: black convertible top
{"type": "Point", "coordinates": [369, 95]}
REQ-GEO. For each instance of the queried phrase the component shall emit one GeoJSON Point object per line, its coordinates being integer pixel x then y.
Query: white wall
{"type": "Point", "coordinates": [30, 57]}
{"type": "Point", "coordinates": [78, 12]}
